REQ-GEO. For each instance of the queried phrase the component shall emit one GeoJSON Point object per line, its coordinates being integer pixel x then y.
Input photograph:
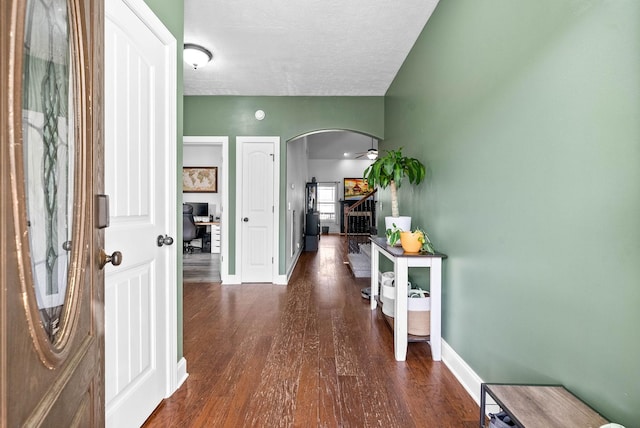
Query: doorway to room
{"type": "Point", "coordinates": [205, 172]}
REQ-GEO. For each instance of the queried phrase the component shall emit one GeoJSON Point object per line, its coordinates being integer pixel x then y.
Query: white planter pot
{"type": "Point", "coordinates": [402, 223]}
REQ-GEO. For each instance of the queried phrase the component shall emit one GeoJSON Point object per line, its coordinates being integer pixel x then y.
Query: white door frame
{"type": "Point", "coordinates": [175, 371]}
{"type": "Point", "coordinates": [212, 141]}
{"type": "Point", "coordinates": [275, 278]}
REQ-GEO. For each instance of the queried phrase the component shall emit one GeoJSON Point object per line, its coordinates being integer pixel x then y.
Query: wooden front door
{"type": "Point", "coordinates": [51, 240]}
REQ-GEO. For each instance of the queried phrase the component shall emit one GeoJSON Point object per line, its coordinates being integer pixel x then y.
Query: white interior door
{"type": "Point", "coordinates": [140, 176]}
{"type": "Point", "coordinates": [258, 211]}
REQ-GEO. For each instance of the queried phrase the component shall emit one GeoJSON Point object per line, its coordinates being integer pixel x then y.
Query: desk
{"type": "Point", "coordinates": [215, 234]}
{"type": "Point", "coordinates": [402, 262]}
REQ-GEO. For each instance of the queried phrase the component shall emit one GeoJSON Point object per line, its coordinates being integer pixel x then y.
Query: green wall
{"type": "Point", "coordinates": [286, 117]}
{"type": "Point", "coordinates": [171, 13]}
{"type": "Point", "coordinates": [527, 114]}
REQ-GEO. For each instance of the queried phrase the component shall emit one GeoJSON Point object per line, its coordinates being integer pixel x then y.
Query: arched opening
{"type": "Point", "coordinates": [327, 157]}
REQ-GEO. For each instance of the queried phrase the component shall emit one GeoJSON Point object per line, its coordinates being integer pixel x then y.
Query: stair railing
{"type": "Point", "coordinates": [359, 221]}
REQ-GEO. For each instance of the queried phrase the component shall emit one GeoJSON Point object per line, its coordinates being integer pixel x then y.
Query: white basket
{"type": "Point", "coordinates": [419, 313]}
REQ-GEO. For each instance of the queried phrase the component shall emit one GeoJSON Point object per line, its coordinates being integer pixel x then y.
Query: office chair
{"type": "Point", "coordinates": [189, 229]}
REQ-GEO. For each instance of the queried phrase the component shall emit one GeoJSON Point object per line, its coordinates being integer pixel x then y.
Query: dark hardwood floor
{"type": "Point", "coordinates": [310, 354]}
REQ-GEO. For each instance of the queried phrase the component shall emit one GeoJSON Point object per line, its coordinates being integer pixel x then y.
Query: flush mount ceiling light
{"type": "Point", "coordinates": [196, 56]}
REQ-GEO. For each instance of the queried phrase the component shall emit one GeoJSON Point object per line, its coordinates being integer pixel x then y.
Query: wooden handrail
{"type": "Point", "coordinates": [349, 209]}
{"type": "Point", "coordinates": [361, 201]}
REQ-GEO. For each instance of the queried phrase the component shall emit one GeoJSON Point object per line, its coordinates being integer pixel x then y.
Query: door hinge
{"type": "Point", "coordinates": [272, 209]}
{"type": "Point", "coordinates": [271, 260]}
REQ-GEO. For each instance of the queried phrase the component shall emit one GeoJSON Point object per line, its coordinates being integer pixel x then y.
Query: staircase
{"type": "Point", "coordinates": [359, 225]}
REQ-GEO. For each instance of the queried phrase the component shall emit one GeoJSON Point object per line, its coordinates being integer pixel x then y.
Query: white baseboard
{"type": "Point", "coordinates": [181, 372]}
{"type": "Point", "coordinates": [296, 256]}
{"type": "Point", "coordinates": [465, 374]}
{"type": "Point", "coordinates": [231, 279]}
{"type": "Point", "coordinates": [281, 280]}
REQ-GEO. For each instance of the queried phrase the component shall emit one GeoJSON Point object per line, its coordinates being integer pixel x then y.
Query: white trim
{"type": "Point", "coordinates": [170, 183]}
{"type": "Point", "coordinates": [181, 372]}
{"type": "Point", "coordinates": [469, 380]}
{"type": "Point", "coordinates": [224, 220]}
{"type": "Point", "coordinates": [296, 257]}
{"type": "Point", "coordinates": [240, 140]}
{"type": "Point", "coordinates": [231, 279]}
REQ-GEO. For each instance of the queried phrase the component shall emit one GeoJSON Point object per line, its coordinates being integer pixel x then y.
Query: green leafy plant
{"type": "Point", "coordinates": [427, 246]}
{"type": "Point", "coordinates": [393, 235]}
{"type": "Point", "coordinates": [389, 171]}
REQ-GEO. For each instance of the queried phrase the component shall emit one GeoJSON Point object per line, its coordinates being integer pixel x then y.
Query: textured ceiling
{"type": "Point", "coordinates": [313, 47]}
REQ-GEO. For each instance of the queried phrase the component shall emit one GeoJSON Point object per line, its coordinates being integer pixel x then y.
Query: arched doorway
{"type": "Point", "coordinates": [329, 156]}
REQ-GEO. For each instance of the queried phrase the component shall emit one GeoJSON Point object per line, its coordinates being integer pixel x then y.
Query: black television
{"type": "Point", "coordinates": [200, 209]}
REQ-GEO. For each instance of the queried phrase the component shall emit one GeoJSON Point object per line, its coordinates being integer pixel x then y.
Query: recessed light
{"type": "Point", "coordinates": [346, 154]}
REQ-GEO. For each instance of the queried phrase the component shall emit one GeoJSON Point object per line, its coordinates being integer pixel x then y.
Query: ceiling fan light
{"type": "Point", "coordinates": [196, 56]}
{"type": "Point", "coordinates": [372, 154]}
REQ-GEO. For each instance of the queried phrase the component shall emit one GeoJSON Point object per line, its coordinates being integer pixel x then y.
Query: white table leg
{"type": "Point", "coordinates": [435, 280]}
{"type": "Point", "coordinates": [375, 261]}
{"type": "Point", "coordinates": [401, 271]}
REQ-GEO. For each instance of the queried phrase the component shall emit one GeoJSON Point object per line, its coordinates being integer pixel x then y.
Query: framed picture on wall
{"type": "Point", "coordinates": [200, 179]}
{"type": "Point", "coordinates": [355, 188]}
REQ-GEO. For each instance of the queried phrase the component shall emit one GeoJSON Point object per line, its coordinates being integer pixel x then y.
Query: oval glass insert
{"type": "Point", "coordinates": [49, 152]}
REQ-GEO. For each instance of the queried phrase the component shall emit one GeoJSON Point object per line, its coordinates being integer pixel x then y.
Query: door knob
{"type": "Point", "coordinates": [115, 258]}
{"type": "Point", "coordinates": [246, 219]}
{"type": "Point", "coordinates": [164, 240]}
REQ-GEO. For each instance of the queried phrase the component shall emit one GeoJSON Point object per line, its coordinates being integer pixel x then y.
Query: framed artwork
{"type": "Point", "coordinates": [355, 188]}
{"type": "Point", "coordinates": [200, 179]}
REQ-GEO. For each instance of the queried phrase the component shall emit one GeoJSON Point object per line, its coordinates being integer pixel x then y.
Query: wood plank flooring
{"type": "Point", "coordinates": [310, 354]}
{"type": "Point", "coordinates": [200, 267]}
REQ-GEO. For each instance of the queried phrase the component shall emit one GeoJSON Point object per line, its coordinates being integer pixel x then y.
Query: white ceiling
{"type": "Point", "coordinates": [314, 48]}
{"type": "Point", "coordinates": [334, 145]}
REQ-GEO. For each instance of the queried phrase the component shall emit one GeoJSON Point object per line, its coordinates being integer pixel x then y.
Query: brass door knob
{"type": "Point", "coordinates": [115, 258]}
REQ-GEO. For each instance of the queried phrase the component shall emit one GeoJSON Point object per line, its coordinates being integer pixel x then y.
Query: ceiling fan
{"type": "Point", "coordinates": [371, 153]}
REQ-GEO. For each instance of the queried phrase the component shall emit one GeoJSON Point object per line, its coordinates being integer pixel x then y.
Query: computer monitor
{"type": "Point", "coordinates": [200, 209]}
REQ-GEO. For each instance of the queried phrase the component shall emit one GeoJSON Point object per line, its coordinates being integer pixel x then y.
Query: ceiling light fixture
{"type": "Point", "coordinates": [372, 153]}
{"type": "Point", "coordinates": [196, 56]}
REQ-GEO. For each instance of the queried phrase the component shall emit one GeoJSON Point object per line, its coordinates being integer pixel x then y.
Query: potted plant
{"type": "Point", "coordinates": [389, 171]}
{"type": "Point", "coordinates": [416, 241]}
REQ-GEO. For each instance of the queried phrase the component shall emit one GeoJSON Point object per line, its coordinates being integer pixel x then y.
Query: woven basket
{"type": "Point", "coordinates": [419, 315]}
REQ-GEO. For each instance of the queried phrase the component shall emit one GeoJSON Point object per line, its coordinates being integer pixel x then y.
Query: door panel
{"type": "Point", "coordinates": [138, 173]}
{"type": "Point", "coordinates": [51, 320]}
{"type": "Point", "coordinates": [258, 210]}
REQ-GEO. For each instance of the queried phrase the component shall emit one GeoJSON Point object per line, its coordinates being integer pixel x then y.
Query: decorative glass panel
{"type": "Point", "coordinates": [48, 138]}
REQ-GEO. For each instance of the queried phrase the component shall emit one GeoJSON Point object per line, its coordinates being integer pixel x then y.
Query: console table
{"type": "Point", "coordinates": [402, 262]}
{"type": "Point", "coordinates": [540, 406]}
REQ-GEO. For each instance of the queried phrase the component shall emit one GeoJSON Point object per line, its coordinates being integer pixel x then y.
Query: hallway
{"type": "Point", "coordinates": [308, 354]}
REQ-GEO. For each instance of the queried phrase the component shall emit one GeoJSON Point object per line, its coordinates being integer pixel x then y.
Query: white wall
{"type": "Point", "coordinates": [331, 170]}
{"type": "Point", "coordinates": [297, 173]}
{"type": "Point", "coordinates": [204, 155]}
